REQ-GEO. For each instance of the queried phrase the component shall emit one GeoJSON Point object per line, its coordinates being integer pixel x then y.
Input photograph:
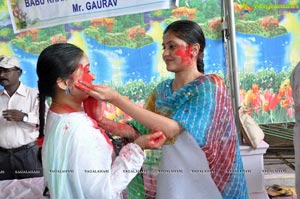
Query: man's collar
{"type": "Point", "coordinates": [21, 90]}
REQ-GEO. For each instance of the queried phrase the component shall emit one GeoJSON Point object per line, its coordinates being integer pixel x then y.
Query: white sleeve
{"type": "Point", "coordinates": [33, 114]}
{"type": "Point", "coordinates": [100, 176]}
{"type": "Point", "coordinates": [126, 166]}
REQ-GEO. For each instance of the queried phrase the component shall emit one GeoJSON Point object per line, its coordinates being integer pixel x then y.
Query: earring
{"type": "Point", "coordinates": [67, 91]}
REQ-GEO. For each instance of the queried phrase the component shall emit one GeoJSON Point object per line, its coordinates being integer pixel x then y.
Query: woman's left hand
{"type": "Point", "coordinates": [93, 108]}
{"type": "Point", "coordinates": [153, 140]}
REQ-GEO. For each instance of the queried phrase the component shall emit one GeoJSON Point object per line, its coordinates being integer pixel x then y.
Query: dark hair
{"type": "Point", "coordinates": [191, 33]}
{"type": "Point", "coordinates": [56, 61]}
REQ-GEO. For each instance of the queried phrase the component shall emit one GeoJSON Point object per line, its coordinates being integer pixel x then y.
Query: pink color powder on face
{"type": "Point", "coordinates": [185, 54]}
{"type": "Point", "coordinates": [86, 77]}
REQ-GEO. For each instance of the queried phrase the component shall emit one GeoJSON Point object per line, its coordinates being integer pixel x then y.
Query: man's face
{"type": "Point", "coordinates": [9, 76]}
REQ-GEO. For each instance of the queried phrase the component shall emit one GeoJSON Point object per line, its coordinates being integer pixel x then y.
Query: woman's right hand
{"type": "Point", "coordinates": [151, 141]}
{"type": "Point", "coordinates": [100, 92]}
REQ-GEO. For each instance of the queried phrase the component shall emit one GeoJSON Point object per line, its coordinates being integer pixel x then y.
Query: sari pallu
{"type": "Point", "coordinates": [203, 108]}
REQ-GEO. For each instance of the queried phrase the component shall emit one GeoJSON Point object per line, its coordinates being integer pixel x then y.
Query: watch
{"type": "Point", "coordinates": [25, 118]}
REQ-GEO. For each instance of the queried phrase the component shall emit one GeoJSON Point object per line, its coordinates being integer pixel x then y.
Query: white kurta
{"type": "Point", "coordinates": [179, 177]}
{"type": "Point", "coordinates": [79, 162]}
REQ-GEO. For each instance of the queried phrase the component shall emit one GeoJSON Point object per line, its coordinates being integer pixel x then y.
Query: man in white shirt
{"type": "Point", "coordinates": [295, 83]}
{"type": "Point", "coordinates": [18, 124]}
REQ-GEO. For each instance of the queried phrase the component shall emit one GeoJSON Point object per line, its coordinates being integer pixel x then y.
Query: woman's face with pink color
{"type": "Point", "coordinates": [82, 73]}
{"type": "Point", "coordinates": [177, 54]}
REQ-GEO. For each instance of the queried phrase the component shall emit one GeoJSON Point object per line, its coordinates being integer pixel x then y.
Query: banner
{"type": "Point", "coordinates": [35, 14]}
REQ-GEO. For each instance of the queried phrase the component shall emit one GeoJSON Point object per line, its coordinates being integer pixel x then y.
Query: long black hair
{"type": "Point", "coordinates": [56, 61]}
{"type": "Point", "coordinates": [191, 33]}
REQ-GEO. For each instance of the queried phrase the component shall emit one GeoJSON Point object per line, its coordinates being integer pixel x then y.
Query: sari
{"type": "Point", "coordinates": [203, 109]}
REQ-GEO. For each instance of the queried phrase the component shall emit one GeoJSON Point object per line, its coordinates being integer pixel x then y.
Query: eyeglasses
{"type": "Point", "coordinates": [5, 71]}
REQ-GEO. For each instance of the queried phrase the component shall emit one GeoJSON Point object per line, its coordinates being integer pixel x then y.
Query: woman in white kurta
{"type": "Point", "coordinates": [78, 157]}
{"type": "Point", "coordinates": [79, 160]}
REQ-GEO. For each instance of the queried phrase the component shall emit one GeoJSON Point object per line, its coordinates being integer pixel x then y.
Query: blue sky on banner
{"type": "Point", "coordinates": [35, 14]}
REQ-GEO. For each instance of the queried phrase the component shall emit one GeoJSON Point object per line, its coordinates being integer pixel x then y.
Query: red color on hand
{"type": "Point", "coordinates": [158, 138]}
{"type": "Point", "coordinates": [93, 108]}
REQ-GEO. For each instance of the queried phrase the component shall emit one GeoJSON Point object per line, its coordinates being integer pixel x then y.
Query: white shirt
{"type": "Point", "coordinates": [79, 162]}
{"type": "Point", "coordinates": [15, 134]}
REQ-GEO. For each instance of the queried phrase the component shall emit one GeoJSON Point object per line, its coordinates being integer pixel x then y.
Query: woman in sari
{"type": "Point", "coordinates": [201, 158]}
